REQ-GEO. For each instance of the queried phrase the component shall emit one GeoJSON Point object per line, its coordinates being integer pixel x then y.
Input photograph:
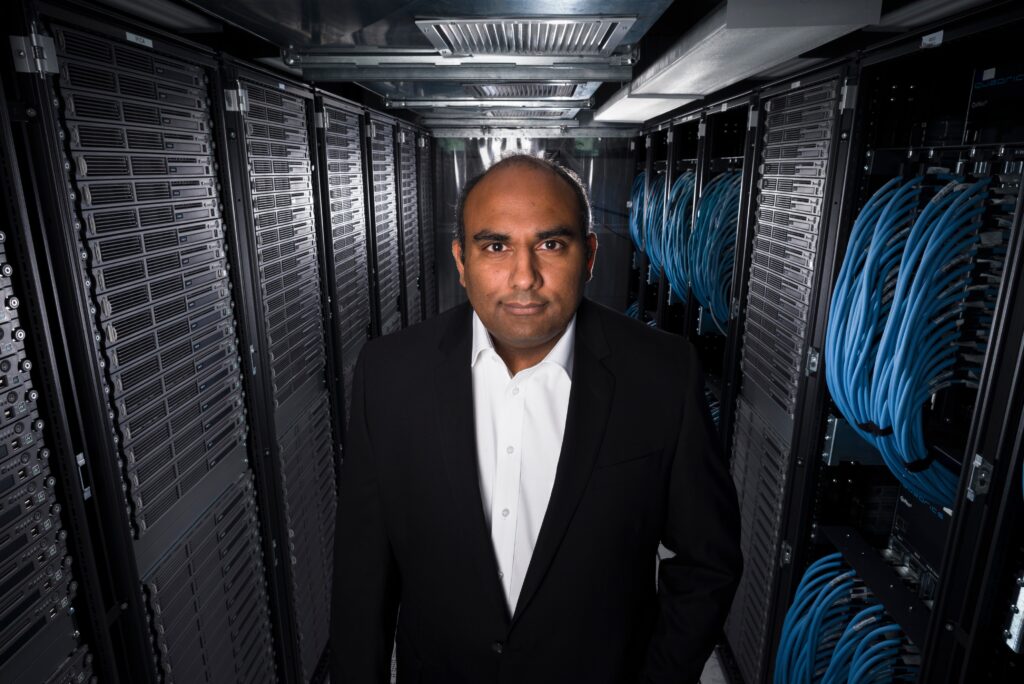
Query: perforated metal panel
{"type": "Point", "coordinates": [307, 479]}
{"type": "Point", "coordinates": [792, 175]}
{"type": "Point", "coordinates": [758, 471]}
{"type": "Point", "coordinates": [385, 224]}
{"type": "Point", "coordinates": [348, 232]}
{"type": "Point", "coordinates": [281, 183]}
{"type": "Point", "coordinates": [142, 165]}
{"type": "Point", "coordinates": [792, 178]}
{"type": "Point", "coordinates": [412, 294]}
{"type": "Point", "coordinates": [424, 161]}
{"type": "Point", "coordinates": [207, 599]}
{"type": "Point", "coordinates": [37, 583]}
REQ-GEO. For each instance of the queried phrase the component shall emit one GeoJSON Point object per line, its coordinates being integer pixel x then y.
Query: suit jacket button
{"type": "Point", "coordinates": [497, 647]}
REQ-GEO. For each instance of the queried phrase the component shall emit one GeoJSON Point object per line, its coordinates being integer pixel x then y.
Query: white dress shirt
{"type": "Point", "coordinates": [520, 422]}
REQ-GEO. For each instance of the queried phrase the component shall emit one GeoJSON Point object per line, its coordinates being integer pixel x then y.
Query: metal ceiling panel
{"type": "Point", "coordinates": [563, 36]}
{"type": "Point", "coordinates": [391, 24]}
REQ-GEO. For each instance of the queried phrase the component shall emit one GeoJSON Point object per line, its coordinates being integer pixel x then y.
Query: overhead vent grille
{"type": "Point", "coordinates": [524, 91]}
{"type": "Point", "coordinates": [549, 36]}
{"type": "Point", "coordinates": [527, 113]}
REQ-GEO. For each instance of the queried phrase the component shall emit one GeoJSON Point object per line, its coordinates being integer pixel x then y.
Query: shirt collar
{"type": "Point", "coordinates": [560, 355]}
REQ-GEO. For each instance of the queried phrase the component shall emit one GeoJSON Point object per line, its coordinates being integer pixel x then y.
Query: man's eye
{"type": "Point", "coordinates": [495, 247]}
{"type": "Point", "coordinates": [551, 244]}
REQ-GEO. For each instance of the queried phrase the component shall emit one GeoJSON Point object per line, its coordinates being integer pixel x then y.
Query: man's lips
{"type": "Point", "coordinates": [523, 309]}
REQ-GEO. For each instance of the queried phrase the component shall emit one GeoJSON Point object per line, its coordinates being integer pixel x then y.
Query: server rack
{"type": "Point", "coordinates": [425, 170]}
{"type": "Point", "coordinates": [638, 294]}
{"type": "Point", "coordinates": [342, 193]}
{"type": "Point", "coordinates": [723, 137]}
{"type": "Point", "coordinates": [386, 265]}
{"type": "Point", "coordinates": [777, 360]}
{"type": "Point", "coordinates": [46, 572]}
{"type": "Point", "coordinates": [959, 563]}
{"type": "Point", "coordinates": [411, 251]}
{"type": "Point", "coordinates": [134, 233]}
{"type": "Point", "coordinates": [279, 218]}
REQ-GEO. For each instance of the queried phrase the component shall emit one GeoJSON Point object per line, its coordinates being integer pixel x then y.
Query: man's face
{"type": "Point", "coordinates": [525, 260]}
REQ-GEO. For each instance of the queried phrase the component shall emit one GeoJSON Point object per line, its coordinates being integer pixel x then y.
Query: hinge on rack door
{"type": "Point", "coordinates": [401, 137]}
{"type": "Point", "coordinates": [371, 129]}
{"type": "Point", "coordinates": [421, 141]}
{"type": "Point", "coordinates": [813, 358]}
{"type": "Point", "coordinates": [34, 54]}
{"type": "Point", "coordinates": [785, 554]}
{"type": "Point", "coordinates": [981, 477]}
{"type": "Point", "coordinates": [236, 99]}
{"type": "Point", "coordinates": [322, 119]}
{"type": "Point", "coordinates": [752, 118]}
{"type": "Point", "coordinates": [848, 95]}
{"type": "Point", "coordinates": [701, 129]}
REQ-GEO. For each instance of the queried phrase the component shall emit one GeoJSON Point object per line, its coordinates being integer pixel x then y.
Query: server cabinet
{"type": "Point", "coordinates": [798, 154]}
{"type": "Point", "coordinates": [274, 186]}
{"type": "Point", "coordinates": [411, 252]}
{"type": "Point", "coordinates": [384, 212]}
{"type": "Point", "coordinates": [46, 572]}
{"type": "Point", "coordinates": [428, 229]}
{"type": "Point", "coordinates": [134, 230]}
{"type": "Point", "coordinates": [342, 191]}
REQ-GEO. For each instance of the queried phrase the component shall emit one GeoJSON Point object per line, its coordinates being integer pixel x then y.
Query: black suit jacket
{"type": "Point", "coordinates": [639, 465]}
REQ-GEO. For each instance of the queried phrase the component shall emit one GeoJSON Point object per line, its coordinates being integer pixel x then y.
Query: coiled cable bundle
{"type": "Point", "coordinates": [711, 248]}
{"type": "Point", "coordinates": [654, 227]}
{"type": "Point", "coordinates": [836, 631]}
{"type": "Point", "coordinates": [636, 210]}
{"type": "Point", "coordinates": [894, 323]}
{"type": "Point", "coordinates": [677, 231]}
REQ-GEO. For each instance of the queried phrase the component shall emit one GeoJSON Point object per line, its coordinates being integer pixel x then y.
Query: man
{"type": "Point", "coordinates": [513, 464]}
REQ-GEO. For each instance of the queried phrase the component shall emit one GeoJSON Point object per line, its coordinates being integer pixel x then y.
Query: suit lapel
{"type": "Point", "coordinates": [589, 404]}
{"type": "Point", "coordinates": [454, 390]}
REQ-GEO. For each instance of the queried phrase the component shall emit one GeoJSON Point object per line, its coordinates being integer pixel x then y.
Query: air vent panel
{"type": "Point", "coordinates": [524, 91]}
{"type": "Point", "coordinates": [549, 36]}
{"type": "Point", "coordinates": [527, 113]}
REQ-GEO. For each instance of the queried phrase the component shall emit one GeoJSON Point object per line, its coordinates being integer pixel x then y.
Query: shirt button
{"type": "Point", "coordinates": [501, 575]}
{"type": "Point", "coordinates": [497, 647]}
{"type": "Point", "coordinates": [504, 513]}
{"type": "Point", "coordinates": [515, 391]}
{"type": "Point", "coordinates": [509, 450]}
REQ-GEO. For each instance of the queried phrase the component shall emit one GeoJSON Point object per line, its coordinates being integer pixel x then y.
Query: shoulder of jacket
{"type": "Point", "coordinates": [411, 343]}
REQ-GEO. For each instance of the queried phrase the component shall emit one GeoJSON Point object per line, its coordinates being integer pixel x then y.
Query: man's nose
{"type": "Point", "coordinates": [525, 274]}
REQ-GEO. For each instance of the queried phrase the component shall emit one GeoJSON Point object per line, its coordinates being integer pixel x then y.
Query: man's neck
{"type": "Point", "coordinates": [517, 360]}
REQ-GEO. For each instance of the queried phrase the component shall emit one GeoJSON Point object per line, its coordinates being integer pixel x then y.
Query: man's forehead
{"type": "Point", "coordinates": [510, 180]}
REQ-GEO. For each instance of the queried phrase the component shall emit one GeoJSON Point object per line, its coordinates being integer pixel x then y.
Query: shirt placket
{"type": "Point", "coordinates": [505, 504]}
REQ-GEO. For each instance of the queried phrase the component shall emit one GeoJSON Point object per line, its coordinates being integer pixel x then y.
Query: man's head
{"type": "Point", "coordinates": [524, 250]}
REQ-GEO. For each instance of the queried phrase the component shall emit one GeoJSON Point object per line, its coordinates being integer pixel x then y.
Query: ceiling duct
{"type": "Point", "coordinates": [550, 36]}
{"type": "Point", "coordinates": [527, 91]}
{"type": "Point", "coordinates": [720, 50]}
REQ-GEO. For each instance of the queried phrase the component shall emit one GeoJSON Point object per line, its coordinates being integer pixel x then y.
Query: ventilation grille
{"type": "Point", "coordinates": [577, 37]}
{"type": "Point", "coordinates": [523, 91]}
{"type": "Point", "coordinates": [527, 113]}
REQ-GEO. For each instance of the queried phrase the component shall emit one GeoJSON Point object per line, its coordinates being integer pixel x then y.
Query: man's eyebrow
{"type": "Point", "coordinates": [490, 236]}
{"type": "Point", "coordinates": [560, 231]}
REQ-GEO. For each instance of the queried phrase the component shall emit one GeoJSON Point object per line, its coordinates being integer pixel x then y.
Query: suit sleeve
{"type": "Point", "coordinates": [365, 596]}
{"type": "Point", "coordinates": [702, 528]}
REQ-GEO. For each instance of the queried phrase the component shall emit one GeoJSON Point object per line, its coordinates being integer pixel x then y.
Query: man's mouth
{"type": "Point", "coordinates": [525, 308]}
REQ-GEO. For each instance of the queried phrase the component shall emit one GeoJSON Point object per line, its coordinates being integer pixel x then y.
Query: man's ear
{"type": "Point", "coordinates": [459, 261]}
{"type": "Point", "coordinates": [591, 240]}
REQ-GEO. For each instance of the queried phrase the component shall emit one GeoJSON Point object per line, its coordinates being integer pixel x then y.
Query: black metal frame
{"type": "Point", "coordinates": [38, 309]}
{"type": "Point", "coordinates": [336, 357]}
{"type": "Point", "coordinates": [744, 240]}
